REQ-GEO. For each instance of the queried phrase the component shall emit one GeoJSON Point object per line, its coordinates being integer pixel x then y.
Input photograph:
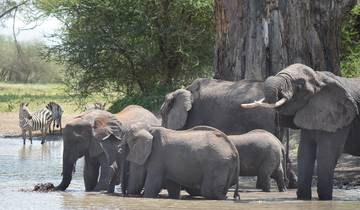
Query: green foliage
{"type": "Point", "coordinates": [151, 101]}
{"type": "Point", "coordinates": [30, 68]}
{"type": "Point", "coordinates": [350, 52]}
{"type": "Point", "coordinates": [130, 45]}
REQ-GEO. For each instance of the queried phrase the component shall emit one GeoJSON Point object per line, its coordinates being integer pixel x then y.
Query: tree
{"type": "Point", "coordinates": [132, 44]}
{"type": "Point", "coordinates": [37, 69]}
{"type": "Point", "coordinates": [255, 39]}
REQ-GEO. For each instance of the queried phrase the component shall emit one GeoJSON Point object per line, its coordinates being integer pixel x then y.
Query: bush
{"type": "Point", "coordinates": [350, 38]}
{"type": "Point", "coordinates": [150, 100]}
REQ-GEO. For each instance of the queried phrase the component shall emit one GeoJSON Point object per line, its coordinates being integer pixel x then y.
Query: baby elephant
{"type": "Point", "coordinates": [204, 159]}
{"type": "Point", "coordinates": [262, 155]}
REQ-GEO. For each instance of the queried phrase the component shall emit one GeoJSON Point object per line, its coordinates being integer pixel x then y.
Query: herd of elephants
{"type": "Point", "coordinates": [214, 131]}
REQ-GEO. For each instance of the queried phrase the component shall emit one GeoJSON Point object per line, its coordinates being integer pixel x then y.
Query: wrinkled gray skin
{"type": "Point", "coordinates": [216, 103]}
{"type": "Point", "coordinates": [97, 135]}
{"type": "Point", "coordinates": [130, 115]}
{"type": "Point", "coordinates": [161, 156]}
{"type": "Point", "coordinates": [83, 136]}
{"type": "Point", "coordinates": [325, 108]}
{"type": "Point", "coordinates": [262, 155]}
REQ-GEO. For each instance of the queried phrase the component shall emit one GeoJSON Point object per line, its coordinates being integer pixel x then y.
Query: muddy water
{"type": "Point", "coordinates": [21, 167]}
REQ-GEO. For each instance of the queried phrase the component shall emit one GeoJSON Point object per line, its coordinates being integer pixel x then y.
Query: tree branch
{"type": "Point", "coordinates": [12, 8]}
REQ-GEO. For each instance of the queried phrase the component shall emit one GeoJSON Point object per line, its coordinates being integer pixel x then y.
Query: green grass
{"type": "Point", "coordinates": [38, 95]}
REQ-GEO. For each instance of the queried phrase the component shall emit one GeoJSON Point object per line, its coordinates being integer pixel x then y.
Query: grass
{"type": "Point", "coordinates": [38, 95]}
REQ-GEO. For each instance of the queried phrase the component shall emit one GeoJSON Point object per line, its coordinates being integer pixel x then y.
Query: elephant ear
{"type": "Point", "coordinates": [175, 109]}
{"type": "Point", "coordinates": [140, 144]}
{"type": "Point", "coordinates": [105, 126]}
{"type": "Point", "coordinates": [330, 109]}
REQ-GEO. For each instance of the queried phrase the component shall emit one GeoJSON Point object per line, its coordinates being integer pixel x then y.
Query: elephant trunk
{"type": "Point", "coordinates": [68, 168]}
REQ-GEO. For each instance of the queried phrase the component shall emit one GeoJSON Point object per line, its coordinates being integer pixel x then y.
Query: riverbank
{"type": "Point", "coordinates": [9, 124]}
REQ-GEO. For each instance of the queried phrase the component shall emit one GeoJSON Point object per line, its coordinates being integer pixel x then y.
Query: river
{"type": "Point", "coordinates": [21, 167]}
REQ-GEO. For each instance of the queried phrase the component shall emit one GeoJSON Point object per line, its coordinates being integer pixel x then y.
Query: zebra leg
{"type": "Point", "coordinates": [30, 136]}
{"type": "Point", "coordinates": [50, 128]}
{"type": "Point", "coordinates": [43, 133]}
{"type": "Point", "coordinates": [23, 134]}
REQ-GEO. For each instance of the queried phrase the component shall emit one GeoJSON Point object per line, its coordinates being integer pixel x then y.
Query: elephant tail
{"type": "Point", "coordinates": [284, 164]}
{"type": "Point", "coordinates": [237, 173]}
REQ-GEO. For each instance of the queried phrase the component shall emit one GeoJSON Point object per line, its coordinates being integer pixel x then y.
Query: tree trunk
{"type": "Point", "coordinates": [256, 39]}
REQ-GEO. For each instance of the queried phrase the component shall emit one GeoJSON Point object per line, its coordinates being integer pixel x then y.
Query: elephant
{"type": "Point", "coordinates": [263, 155]}
{"type": "Point", "coordinates": [82, 137]}
{"type": "Point", "coordinates": [205, 159]}
{"type": "Point", "coordinates": [216, 103]}
{"type": "Point", "coordinates": [97, 135]}
{"type": "Point", "coordinates": [325, 108]}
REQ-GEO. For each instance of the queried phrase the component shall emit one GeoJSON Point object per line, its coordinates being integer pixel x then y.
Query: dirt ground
{"type": "Point", "coordinates": [9, 124]}
{"type": "Point", "coordinates": [347, 173]}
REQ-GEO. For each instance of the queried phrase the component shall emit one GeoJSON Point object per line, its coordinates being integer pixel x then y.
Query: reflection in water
{"type": "Point", "coordinates": [21, 167]}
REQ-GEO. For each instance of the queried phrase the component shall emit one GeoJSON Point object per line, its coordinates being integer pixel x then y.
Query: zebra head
{"type": "Point", "coordinates": [96, 105]}
{"type": "Point", "coordinates": [24, 115]}
{"type": "Point", "coordinates": [24, 112]}
{"type": "Point", "coordinates": [56, 111]}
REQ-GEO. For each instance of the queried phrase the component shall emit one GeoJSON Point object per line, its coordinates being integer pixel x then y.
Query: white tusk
{"type": "Point", "coordinates": [261, 103]}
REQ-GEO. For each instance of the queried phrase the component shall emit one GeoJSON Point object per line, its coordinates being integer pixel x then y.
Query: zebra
{"type": "Point", "coordinates": [39, 120]}
{"type": "Point", "coordinates": [56, 114]}
{"type": "Point", "coordinates": [96, 105]}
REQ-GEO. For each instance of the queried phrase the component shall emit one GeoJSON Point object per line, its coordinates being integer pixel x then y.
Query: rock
{"type": "Point", "coordinates": [44, 187]}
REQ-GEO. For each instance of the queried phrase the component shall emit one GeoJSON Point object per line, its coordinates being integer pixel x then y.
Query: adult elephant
{"type": "Point", "coordinates": [97, 136]}
{"type": "Point", "coordinates": [325, 108]}
{"type": "Point", "coordinates": [216, 103]}
{"type": "Point", "coordinates": [83, 137]}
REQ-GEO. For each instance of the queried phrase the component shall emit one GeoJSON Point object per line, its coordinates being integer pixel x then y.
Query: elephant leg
{"type": "Point", "coordinates": [136, 179]}
{"type": "Point", "coordinates": [258, 185]}
{"type": "Point", "coordinates": [330, 147]}
{"type": "Point", "coordinates": [153, 183]}
{"type": "Point", "coordinates": [173, 189]}
{"type": "Point", "coordinates": [214, 182]}
{"type": "Point", "coordinates": [279, 177]}
{"type": "Point", "coordinates": [263, 182]}
{"type": "Point", "coordinates": [292, 178]}
{"type": "Point", "coordinates": [264, 175]}
{"type": "Point", "coordinates": [104, 179]}
{"type": "Point", "coordinates": [91, 173]}
{"type": "Point", "coordinates": [114, 171]}
{"type": "Point", "coordinates": [306, 161]}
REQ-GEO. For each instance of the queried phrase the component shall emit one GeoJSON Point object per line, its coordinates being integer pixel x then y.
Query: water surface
{"type": "Point", "coordinates": [21, 167]}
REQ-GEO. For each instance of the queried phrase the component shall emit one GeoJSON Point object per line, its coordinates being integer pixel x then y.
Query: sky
{"type": "Point", "coordinates": [46, 27]}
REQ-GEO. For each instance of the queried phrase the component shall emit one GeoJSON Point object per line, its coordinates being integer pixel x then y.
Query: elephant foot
{"type": "Point", "coordinates": [325, 196]}
{"type": "Point", "coordinates": [303, 196]}
{"type": "Point", "coordinates": [192, 191]}
{"type": "Point", "coordinates": [293, 183]}
{"type": "Point", "coordinates": [282, 190]}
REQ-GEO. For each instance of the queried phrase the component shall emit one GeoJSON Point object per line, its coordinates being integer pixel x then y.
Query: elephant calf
{"type": "Point", "coordinates": [262, 155]}
{"type": "Point", "coordinates": [204, 159]}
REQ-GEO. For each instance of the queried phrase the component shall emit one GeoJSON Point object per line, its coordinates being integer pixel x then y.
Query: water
{"type": "Point", "coordinates": [21, 167]}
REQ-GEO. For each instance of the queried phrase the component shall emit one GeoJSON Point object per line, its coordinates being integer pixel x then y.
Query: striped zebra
{"type": "Point", "coordinates": [39, 120]}
{"type": "Point", "coordinates": [56, 114]}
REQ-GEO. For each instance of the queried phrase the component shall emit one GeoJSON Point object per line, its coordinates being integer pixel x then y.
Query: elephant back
{"type": "Point", "coordinates": [133, 114]}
